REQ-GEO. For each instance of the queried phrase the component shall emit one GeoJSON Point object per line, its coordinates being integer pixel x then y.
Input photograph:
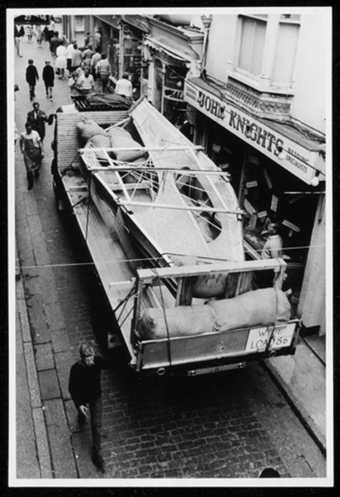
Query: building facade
{"type": "Point", "coordinates": [259, 108]}
{"type": "Point", "coordinates": [173, 50]}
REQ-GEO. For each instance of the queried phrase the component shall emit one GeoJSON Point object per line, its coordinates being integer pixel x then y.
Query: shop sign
{"type": "Point", "coordinates": [173, 94]}
{"type": "Point", "coordinates": [279, 148]}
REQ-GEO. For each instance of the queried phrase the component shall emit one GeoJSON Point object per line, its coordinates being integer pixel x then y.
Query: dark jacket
{"type": "Point", "coordinates": [84, 382]}
{"type": "Point", "coordinates": [32, 75]}
{"type": "Point", "coordinates": [48, 75]}
{"type": "Point", "coordinates": [38, 122]}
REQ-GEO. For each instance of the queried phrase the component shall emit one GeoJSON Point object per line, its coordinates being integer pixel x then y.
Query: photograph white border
{"type": "Point", "coordinates": [13, 481]}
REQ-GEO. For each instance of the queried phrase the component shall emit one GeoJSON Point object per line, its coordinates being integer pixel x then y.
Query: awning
{"type": "Point", "coordinates": [288, 147]}
{"type": "Point", "coordinates": [167, 49]}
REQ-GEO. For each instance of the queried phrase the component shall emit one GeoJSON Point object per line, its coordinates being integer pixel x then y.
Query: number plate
{"type": "Point", "coordinates": [258, 337]}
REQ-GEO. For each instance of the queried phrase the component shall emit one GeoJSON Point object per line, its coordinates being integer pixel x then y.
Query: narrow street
{"type": "Point", "coordinates": [230, 425]}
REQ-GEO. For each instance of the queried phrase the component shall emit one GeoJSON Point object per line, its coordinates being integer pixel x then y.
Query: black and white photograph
{"type": "Point", "coordinates": [170, 247]}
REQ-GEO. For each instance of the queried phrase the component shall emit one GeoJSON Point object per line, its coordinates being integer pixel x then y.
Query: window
{"type": "Point", "coordinates": [79, 23]}
{"type": "Point", "coordinates": [286, 47]}
{"type": "Point", "coordinates": [253, 32]}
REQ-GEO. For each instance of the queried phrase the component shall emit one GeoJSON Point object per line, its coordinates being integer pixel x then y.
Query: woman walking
{"type": "Point", "coordinates": [60, 63]}
{"type": "Point", "coordinates": [30, 146]}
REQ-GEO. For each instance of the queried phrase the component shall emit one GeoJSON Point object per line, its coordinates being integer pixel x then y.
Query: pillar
{"type": "Point", "coordinates": [121, 50]}
{"type": "Point", "coordinates": [272, 30]}
{"type": "Point", "coordinates": [312, 298]}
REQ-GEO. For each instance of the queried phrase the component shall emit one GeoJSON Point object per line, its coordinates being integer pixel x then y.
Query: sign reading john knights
{"type": "Point", "coordinates": [286, 152]}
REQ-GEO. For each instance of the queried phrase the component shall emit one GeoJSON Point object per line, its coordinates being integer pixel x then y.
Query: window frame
{"type": "Point", "coordinates": [252, 80]}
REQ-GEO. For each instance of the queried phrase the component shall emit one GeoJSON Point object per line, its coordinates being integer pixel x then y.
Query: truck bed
{"type": "Point", "coordinates": [105, 250]}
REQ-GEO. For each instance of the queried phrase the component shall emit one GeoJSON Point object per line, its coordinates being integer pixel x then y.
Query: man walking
{"type": "Point", "coordinates": [30, 146]}
{"type": "Point", "coordinates": [18, 34]}
{"type": "Point", "coordinates": [48, 78]}
{"type": "Point", "coordinates": [103, 70]}
{"type": "Point", "coordinates": [85, 390]}
{"type": "Point", "coordinates": [32, 77]}
{"type": "Point", "coordinates": [37, 119]}
{"type": "Point", "coordinates": [76, 57]}
{"type": "Point", "coordinates": [94, 61]}
{"type": "Point", "coordinates": [68, 55]}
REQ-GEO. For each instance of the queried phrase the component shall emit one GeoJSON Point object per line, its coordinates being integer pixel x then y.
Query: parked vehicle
{"type": "Point", "coordinates": [163, 228]}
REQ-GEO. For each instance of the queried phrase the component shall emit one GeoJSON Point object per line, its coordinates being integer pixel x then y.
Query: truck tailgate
{"type": "Point", "coordinates": [231, 346]}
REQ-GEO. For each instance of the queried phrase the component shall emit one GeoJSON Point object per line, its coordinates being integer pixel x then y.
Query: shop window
{"type": "Point", "coordinates": [79, 23]}
{"type": "Point", "coordinates": [253, 32]}
{"type": "Point", "coordinates": [286, 48]}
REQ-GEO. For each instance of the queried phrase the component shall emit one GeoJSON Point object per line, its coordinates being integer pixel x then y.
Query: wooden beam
{"type": "Point", "coordinates": [179, 207]}
{"type": "Point", "coordinates": [147, 275]}
{"type": "Point", "coordinates": [160, 169]}
{"type": "Point", "coordinates": [139, 147]}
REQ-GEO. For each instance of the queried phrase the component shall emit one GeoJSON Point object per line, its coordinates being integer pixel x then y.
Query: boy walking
{"type": "Point", "coordinates": [48, 78]}
{"type": "Point", "coordinates": [32, 77]}
{"type": "Point", "coordinates": [85, 390]}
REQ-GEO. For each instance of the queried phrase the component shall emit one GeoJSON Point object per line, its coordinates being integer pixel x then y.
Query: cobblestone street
{"type": "Point", "coordinates": [229, 425]}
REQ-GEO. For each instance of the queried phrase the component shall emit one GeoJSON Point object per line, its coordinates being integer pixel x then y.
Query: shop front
{"type": "Point", "coordinates": [279, 176]}
{"type": "Point", "coordinates": [133, 28]}
{"type": "Point", "coordinates": [170, 54]}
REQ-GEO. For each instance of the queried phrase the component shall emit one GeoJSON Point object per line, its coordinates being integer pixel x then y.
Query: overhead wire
{"type": "Point", "coordinates": [144, 259]}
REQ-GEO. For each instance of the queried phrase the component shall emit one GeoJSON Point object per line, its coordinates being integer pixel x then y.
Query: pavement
{"type": "Point", "coordinates": [49, 442]}
{"type": "Point", "coordinates": [303, 379]}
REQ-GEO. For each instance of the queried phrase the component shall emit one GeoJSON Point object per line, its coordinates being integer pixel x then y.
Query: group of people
{"type": "Point", "coordinates": [40, 34]}
{"type": "Point", "coordinates": [32, 77]}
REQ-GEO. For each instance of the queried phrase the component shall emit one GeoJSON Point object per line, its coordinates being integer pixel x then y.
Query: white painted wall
{"type": "Point", "coordinates": [311, 68]}
{"type": "Point", "coordinates": [221, 45]}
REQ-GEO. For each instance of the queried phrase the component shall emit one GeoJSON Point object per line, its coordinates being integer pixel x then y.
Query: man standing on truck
{"type": "Point", "coordinates": [85, 390]}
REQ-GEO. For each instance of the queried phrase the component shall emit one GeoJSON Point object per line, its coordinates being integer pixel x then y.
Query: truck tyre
{"type": "Point", "coordinates": [60, 205]}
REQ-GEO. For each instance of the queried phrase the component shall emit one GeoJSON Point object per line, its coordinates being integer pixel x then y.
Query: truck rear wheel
{"type": "Point", "coordinates": [60, 204]}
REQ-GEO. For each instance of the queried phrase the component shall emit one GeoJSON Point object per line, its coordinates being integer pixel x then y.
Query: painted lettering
{"type": "Point", "coordinates": [261, 137]}
{"type": "Point", "coordinates": [279, 147]}
{"type": "Point", "coordinates": [232, 117]}
{"type": "Point", "coordinates": [272, 140]}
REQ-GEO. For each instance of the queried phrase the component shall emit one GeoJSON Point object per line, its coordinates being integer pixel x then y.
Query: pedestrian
{"type": "Point", "coordinates": [48, 77]}
{"type": "Point", "coordinates": [98, 40]}
{"type": "Point", "coordinates": [46, 33]}
{"type": "Point", "coordinates": [32, 77]}
{"type": "Point", "coordinates": [68, 55]}
{"type": "Point", "coordinates": [87, 39]}
{"type": "Point", "coordinates": [37, 119]}
{"type": "Point", "coordinates": [39, 34]}
{"type": "Point", "coordinates": [88, 52]}
{"type": "Point", "coordinates": [29, 30]}
{"type": "Point", "coordinates": [30, 146]}
{"type": "Point", "coordinates": [85, 390]}
{"type": "Point", "coordinates": [18, 36]}
{"type": "Point", "coordinates": [60, 62]}
{"type": "Point", "coordinates": [55, 41]}
{"type": "Point", "coordinates": [94, 61]}
{"type": "Point", "coordinates": [124, 86]}
{"type": "Point", "coordinates": [103, 70]}
{"type": "Point", "coordinates": [76, 57]}
{"type": "Point", "coordinates": [269, 473]}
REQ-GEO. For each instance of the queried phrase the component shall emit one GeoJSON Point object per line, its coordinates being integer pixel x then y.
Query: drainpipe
{"type": "Point", "coordinates": [121, 50]}
{"type": "Point", "coordinates": [206, 20]}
